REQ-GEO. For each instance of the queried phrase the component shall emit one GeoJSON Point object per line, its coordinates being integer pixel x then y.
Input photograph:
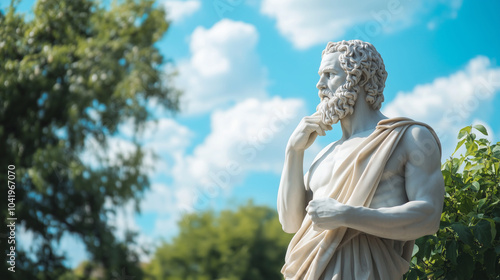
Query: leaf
{"type": "Point", "coordinates": [415, 249]}
{"type": "Point", "coordinates": [497, 249]}
{"type": "Point", "coordinates": [471, 146]}
{"type": "Point", "coordinates": [429, 247]}
{"type": "Point", "coordinates": [412, 275]}
{"type": "Point", "coordinates": [451, 251]}
{"type": "Point", "coordinates": [475, 186]}
{"type": "Point", "coordinates": [483, 142]}
{"type": "Point", "coordinates": [464, 131]}
{"type": "Point", "coordinates": [482, 232]}
{"type": "Point", "coordinates": [481, 128]}
{"type": "Point", "coordinates": [477, 167]}
{"type": "Point", "coordinates": [446, 176]}
{"type": "Point", "coordinates": [464, 233]}
{"type": "Point", "coordinates": [438, 273]}
{"type": "Point", "coordinates": [493, 228]}
{"type": "Point", "coordinates": [458, 146]}
{"type": "Point", "coordinates": [496, 152]}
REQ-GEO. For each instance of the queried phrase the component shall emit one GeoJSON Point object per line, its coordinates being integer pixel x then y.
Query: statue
{"type": "Point", "coordinates": [367, 196]}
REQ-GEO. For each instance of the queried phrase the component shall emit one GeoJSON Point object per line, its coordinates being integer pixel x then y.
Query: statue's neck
{"type": "Point", "coordinates": [362, 119]}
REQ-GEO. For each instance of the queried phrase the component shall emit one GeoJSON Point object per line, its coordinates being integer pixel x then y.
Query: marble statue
{"type": "Point", "coordinates": [367, 196]}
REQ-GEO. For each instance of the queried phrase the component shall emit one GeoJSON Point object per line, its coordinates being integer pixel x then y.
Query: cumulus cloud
{"type": "Point", "coordinates": [307, 23]}
{"type": "Point", "coordinates": [165, 138]}
{"type": "Point", "coordinates": [223, 67]}
{"type": "Point", "coordinates": [178, 10]}
{"type": "Point", "coordinates": [450, 103]}
{"type": "Point", "coordinates": [248, 137]}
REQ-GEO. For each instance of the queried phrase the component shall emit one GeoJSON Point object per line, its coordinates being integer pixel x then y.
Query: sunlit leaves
{"type": "Point", "coordinates": [467, 245]}
{"type": "Point", "coordinates": [481, 129]}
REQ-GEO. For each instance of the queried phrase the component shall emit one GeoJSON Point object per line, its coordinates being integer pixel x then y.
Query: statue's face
{"type": "Point", "coordinates": [337, 101]}
{"type": "Point", "coordinates": [331, 75]}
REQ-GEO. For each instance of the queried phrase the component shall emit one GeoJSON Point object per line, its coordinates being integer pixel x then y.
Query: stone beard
{"type": "Point", "coordinates": [335, 106]}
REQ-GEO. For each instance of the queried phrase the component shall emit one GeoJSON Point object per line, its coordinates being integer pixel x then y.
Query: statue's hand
{"type": "Point", "coordinates": [327, 213]}
{"type": "Point", "coordinates": [306, 132]}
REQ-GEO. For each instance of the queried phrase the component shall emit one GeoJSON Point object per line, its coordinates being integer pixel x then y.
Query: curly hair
{"type": "Point", "coordinates": [364, 68]}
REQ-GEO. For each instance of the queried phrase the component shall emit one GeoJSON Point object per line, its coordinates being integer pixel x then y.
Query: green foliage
{"type": "Point", "coordinates": [75, 72]}
{"type": "Point", "coordinates": [467, 245]}
{"type": "Point", "coordinates": [246, 244]}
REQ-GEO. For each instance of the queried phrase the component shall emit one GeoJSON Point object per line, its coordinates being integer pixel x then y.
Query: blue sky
{"type": "Point", "coordinates": [248, 70]}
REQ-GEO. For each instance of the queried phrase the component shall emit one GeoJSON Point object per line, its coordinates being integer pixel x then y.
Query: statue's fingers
{"type": "Point", "coordinates": [315, 128]}
{"type": "Point", "coordinates": [313, 119]}
{"type": "Point", "coordinates": [323, 126]}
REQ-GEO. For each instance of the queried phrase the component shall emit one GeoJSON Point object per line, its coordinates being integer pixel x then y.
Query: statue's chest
{"type": "Point", "coordinates": [334, 160]}
{"type": "Point", "coordinates": [331, 161]}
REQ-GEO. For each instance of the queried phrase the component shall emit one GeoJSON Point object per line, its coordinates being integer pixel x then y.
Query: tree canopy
{"type": "Point", "coordinates": [69, 77]}
{"type": "Point", "coordinates": [245, 244]}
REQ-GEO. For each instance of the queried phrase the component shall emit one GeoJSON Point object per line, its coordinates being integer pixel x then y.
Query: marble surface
{"type": "Point", "coordinates": [369, 195]}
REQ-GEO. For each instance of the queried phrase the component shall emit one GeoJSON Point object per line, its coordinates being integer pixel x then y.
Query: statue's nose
{"type": "Point", "coordinates": [321, 84]}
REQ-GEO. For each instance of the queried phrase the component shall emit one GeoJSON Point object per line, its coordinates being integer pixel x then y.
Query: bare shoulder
{"type": "Point", "coordinates": [421, 147]}
{"type": "Point", "coordinates": [418, 133]}
{"type": "Point", "coordinates": [324, 151]}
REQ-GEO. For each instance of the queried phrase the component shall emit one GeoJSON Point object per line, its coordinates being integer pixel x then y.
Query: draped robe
{"type": "Point", "coordinates": [345, 253]}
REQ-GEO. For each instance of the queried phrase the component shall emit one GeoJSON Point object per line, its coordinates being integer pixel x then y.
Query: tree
{"type": "Point", "coordinates": [246, 244]}
{"type": "Point", "coordinates": [467, 245]}
{"type": "Point", "coordinates": [70, 77]}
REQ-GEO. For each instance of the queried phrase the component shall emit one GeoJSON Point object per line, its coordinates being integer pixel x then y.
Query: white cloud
{"type": "Point", "coordinates": [307, 23]}
{"type": "Point", "coordinates": [164, 137]}
{"type": "Point", "coordinates": [223, 68]}
{"type": "Point", "coordinates": [450, 103]}
{"type": "Point", "coordinates": [178, 10]}
{"type": "Point", "coordinates": [249, 137]}
{"type": "Point", "coordinates": [161, 200]}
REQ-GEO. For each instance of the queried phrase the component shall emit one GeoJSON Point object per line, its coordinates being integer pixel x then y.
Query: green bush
{"type": "Point", "coordinates": [467, 245]}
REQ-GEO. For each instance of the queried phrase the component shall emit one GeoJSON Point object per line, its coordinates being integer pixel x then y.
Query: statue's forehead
{"type": "Point", "coordinates": [330, 61]}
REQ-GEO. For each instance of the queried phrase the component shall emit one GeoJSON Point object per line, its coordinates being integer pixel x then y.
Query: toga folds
{"type": "Point", "coordinates": [345, 253]}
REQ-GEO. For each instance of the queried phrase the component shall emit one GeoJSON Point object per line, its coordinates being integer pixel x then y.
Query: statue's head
{"type": "Point", "coordinates": [362, 70]}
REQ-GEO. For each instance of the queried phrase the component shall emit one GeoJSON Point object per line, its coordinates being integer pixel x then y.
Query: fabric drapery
{"type": "Point", "coordinates": [345, 253]}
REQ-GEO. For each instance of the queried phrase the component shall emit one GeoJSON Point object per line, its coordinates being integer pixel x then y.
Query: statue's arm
{"type": "Point", "coordinates": [292, 192]}
{"type": "Point", "coordinates": [418, 217]}
{"type": "Point", "coordinates": [425, 190]}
